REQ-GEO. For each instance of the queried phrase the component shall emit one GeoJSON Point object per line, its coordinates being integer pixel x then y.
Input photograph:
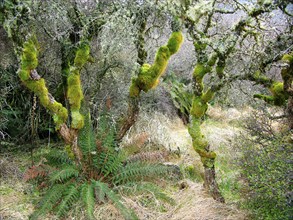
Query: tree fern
{"type": "Point", "coordinates": [71, 196]}
{"type": "Point", "coordinates": [102, 187]}
{"type": "Point", "coordinates": [64, 174]}
{"type": "Point", "coordinates": [87, 195]}
{"type": "Point", "coordinates": [49, 200]}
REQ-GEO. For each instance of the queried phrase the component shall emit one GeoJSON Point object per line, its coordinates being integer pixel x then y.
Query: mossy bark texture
{"type": "Point", "coordinates": [37, 85]}
{"type": "Point", "coordinates": [197, 111]}
{"type": "Point", "coordinates": [148, 78]}
{"type": "Point", "coordinates": [281, 92]}
{"type": "Point", "coordinates": [33, 81]}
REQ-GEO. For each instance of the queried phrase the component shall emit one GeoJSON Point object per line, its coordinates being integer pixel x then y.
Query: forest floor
{"type": "Point", "coordinates": [191, 201]}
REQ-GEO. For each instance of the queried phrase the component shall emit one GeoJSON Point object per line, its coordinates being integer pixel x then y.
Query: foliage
{"type": "Point", "coordinates": [105, 167]}
{"type": "Point", "coordinates": [181, 97]}
{"type": "Point", "coordinates": [266, 164]}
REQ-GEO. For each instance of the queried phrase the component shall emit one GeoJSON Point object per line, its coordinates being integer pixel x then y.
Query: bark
{"type": "Point", "coordinates": [290, 112]}
{"type": "Point", "coordinates": [211, 185]}
{"type": "Point", "coordinates": [132, 115]}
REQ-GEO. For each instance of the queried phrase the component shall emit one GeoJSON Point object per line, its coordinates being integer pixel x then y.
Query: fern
{"type": "Point", "coordinates": [139, 170]}
{"type": "Point", "coordinates": [106, 131]}
{"type": "Point", "coordinates": [64, 174]}
{"type": "Point", "coordinates": [71, 196]}
{"type": "Point", "coordinates": [102, 187]}
{"type": "Point", "coordinates": [48, 201]}
{"type": "Point", "coordinates": [57, 157]}
{"type": "Point", "coordinates": [87, 195]}
{"type": "Point", "coordinates": [109, 162]}
{"type": "Point", "coordinates": [86, 139]}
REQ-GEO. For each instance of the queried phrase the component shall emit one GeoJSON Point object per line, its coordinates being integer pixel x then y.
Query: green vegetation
{"type": "Point", "coordinates": [94, 181]}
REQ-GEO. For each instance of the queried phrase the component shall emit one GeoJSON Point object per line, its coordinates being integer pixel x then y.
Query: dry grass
{"type": "Point", "coordinates": [155, 129]}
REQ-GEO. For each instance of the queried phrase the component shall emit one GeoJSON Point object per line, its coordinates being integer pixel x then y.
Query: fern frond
{"type": "Point", "coordinates": [36, 171]}
{"type": "Point", "coordinates": [156, 156]}
{"type": "Point", "coordinates": [138, 171]}
{"type": "Point", "coordinates": [57, 157]}
{"type": "Point", "coordinates": [87, 195]}
{"type": "Point", "coordinates": [109, 162]}
{"type": "Point", "coordinates": [71, 195]}
{"type": "Point", "coordinates": [106, 131]}
{"type": "Point", "coordinates": [86, 138]}
{"type": "Point", "coordinates": [113, 197]}
{"type": "Point", "coordinates": [49, 200]}
{"type": "Point", "coordinates": [64, 174]}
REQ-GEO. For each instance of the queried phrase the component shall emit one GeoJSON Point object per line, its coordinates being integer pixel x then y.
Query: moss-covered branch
{"type": "Point", "coordinates": [74, 90]}
{"type": "Point", "coordinates": [32, 80]}
{"type": "Point", "coordinates": [148, 77]}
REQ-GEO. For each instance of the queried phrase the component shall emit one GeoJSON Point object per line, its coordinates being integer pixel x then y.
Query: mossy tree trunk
{"type": "Point", "coordinates": [197, 112]}
{"type": "Point", "coordinates": [148, 76]}
{"type": "Point", "coordinates": [35, 83]}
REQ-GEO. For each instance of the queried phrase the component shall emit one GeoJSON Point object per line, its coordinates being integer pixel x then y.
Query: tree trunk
{"type": "Point", "coordinates": [211, 185]}
{"type": "Point", "coordinates": [290, 112]}
{"type": "Point", "coordinates": [131, 118]}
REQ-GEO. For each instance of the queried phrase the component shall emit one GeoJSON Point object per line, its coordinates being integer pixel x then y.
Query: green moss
{"type": "Point", "coordinates": [175, 42]}
{"type": "Point", "coordinates": [280, 97]}
{"type": "Point", "coordinates": [82, 55]}
{"type": "Point", "coordinates": [266, 98]}
{"type": "Point", "coordinates": [149, 75]}
{"type": "Point", "coordinates": [220, 71]}
{"type": "Point", "coordinates": [200, 46]}
{"type": "Point", "coordinates": [212, 60]}
{"type": "Point", "coordinates": [69, 152]}
{"type": "Point", "coordinates": [74, 92]}
{"type": "Point", "coordinates": [207, 96]}
{"type": "Point", "coordinates": [134, 90]}
{"type": "Point", "coordinates": [198, 107]}
{"type": "Point", "coordinates": [200, 143]}
{"type": "Point", "coordinates": [288, 58]}
{"type": "Point", "coordinates": [77, 120]}
{"type": "Point", "coordinates": [199, 71]}
{"type": "Point", "coordinates": [29, 61]}
{"type": "Point", "coordinates": [24, 74]}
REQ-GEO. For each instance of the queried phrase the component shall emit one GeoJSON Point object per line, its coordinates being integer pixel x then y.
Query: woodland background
{"type": "Point", "coordinates": [176, 109]}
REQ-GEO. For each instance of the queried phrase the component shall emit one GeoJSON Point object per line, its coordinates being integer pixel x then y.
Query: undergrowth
{"type": "Point", "coordinates": [64, 184]}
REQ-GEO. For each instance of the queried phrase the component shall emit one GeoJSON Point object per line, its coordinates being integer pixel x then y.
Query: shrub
{"type": "Point", "coordinates": [266, 164]}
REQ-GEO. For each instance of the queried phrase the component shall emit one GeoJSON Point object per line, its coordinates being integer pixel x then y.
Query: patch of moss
{"type": "Point", "coordinates": [175, 42]}
{"type": "Point", "coordinates": [198, 108]}
{"type": "Point", "coordinates": [134, 90]}
{"type": "Point", "coordinates": [212, 60]}
{"type": "Point", "coordinates": [288, 58]}
{"type": "Point", "coordinates": [208, 96]}
{"type": "Point", "coordinates": [74, 92]}
{"type": "Point", "coordinates": [220, 71]}
{"type": "Point", "coordinates": [200, 46]}
{"type": "Point", "coordinates": [199, 71]}
{"type": "Point", "coordinates": [69, 152]}
{"type": "Point", "coordinates": [82, 55]}
{"type": "Point", "coordinates": [77, 121]}
{"type": "Point", "coordinates": [149, 75]}
{"type": "Point", "coordinates": [29, 61]}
